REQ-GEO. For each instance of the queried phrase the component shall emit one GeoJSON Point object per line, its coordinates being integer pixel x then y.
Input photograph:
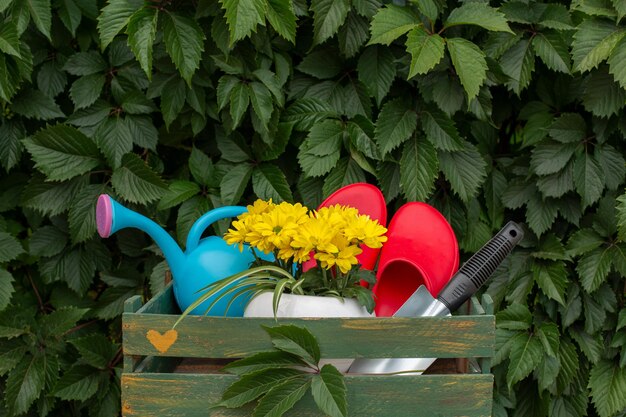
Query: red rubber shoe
{"type": "Point", "coordinates": [421, 249]}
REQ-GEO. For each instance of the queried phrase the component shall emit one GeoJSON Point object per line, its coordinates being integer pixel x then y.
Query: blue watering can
{"type": "Point", "coordinates": [204, 261]}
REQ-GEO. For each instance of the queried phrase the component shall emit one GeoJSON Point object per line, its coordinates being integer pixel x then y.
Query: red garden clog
{"type": "Point", "coordinates": [369, 200]}
{"type": "Point", "coordinates": [421, 249]}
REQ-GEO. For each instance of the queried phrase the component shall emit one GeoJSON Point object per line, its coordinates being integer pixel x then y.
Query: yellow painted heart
{"type": "Point", "coordinates": [162, 342]}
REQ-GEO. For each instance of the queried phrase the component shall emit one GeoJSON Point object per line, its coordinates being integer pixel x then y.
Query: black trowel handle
{"type": "Point", "coordinates": [473, 273]}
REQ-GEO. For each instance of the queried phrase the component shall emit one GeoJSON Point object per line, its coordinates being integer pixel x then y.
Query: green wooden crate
{"type": "Point", "coordinates": [177, 372]}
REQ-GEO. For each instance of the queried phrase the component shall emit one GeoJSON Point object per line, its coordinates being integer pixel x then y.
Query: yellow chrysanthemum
{"type": "Point", "coordinates": [238, 234]}
{"type": "Point", "coordinates": [276, 228]}
{"type": "Point", "coordinates": [260, 207]}
{"type": "Point", "coordinates": [344, 258]}
{"type": "Point", "coordinates": [364, 230]}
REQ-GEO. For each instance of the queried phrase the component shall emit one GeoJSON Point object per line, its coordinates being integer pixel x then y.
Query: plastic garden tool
{"type": "Point", "coordinates": [469, 278]}
{"type": "Point", "coordinates": [421, 249]}
{"type": "Point", "coordinates": [204, 261]}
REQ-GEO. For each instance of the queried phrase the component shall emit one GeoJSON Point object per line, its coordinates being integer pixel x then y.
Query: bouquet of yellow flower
{"type": "Point", "coordinates": [314, 252]}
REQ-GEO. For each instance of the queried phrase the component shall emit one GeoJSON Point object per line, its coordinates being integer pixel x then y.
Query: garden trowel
{"type": "Point", "coordinates": [467, 280]}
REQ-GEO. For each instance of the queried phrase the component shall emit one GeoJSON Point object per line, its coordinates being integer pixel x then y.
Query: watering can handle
{"type": "Point", "coordinates": [207, 219]}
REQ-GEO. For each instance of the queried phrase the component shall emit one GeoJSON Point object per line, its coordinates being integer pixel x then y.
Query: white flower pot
{"type": "Point", "coordinates": [293, 305]}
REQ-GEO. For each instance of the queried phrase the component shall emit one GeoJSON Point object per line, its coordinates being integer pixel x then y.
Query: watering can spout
{"type": "Point", "coordinates": [111, 216]}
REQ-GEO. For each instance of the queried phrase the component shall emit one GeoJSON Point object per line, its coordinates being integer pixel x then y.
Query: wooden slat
{"type": "Point", "coordinates": [227, 337]}
{"type": "Point", "coordinates": [189, 395]}
{"type": "Point", "coordinates": [487, 303]}
{"type": "Point", "coordinates": [131, 306]}
{"type": "Point", "coordinates": [157, 364]}
{"type": "Point", "coordinates": [162, 303]}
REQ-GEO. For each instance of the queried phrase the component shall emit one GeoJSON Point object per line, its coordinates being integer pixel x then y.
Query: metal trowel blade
{"type": "Point", "coordinates": [417, 305]}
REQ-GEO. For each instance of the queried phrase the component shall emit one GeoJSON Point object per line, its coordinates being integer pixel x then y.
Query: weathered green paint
{"type": "Point", "coordinates": [189, 395]}
{"type": "Point", "coordinates": [226, 337]}
{"type": "Point", "coordinates": [487, 303]}
{"type": "Point", "coordinates": [475, 308]}
{"type": "Point", "coordinates": [157, 364]}
{"type": "Point", "coordinates": [162, 303]}
{"type": "Point", "coordinates": [132, 305]}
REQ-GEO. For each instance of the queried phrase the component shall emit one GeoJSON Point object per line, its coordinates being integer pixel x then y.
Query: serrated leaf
{"type": "Point", "coordinates": [551, 157]}
{"type": "Point", "coordinates": [34, 104]}
{"type": "Point", "coordinates": [47, 241]}
{"type": "Point", "coordinates": [96, 350]}
{"type": "Point", "coordinates": [549, 336]}
{"type": "Point", "coordinates": [261, 100]}
{"type": "Point", "coordinates": [552, 279]}
{"type": "Point", "coordinates": [440, 130]}
{"type": "Point", "coordinates": [62, 152]}
{"type": "Point", "coordinates": [6, 289]}
{"type": "Point", "coordinates": [143, 131]}
{"type": "Point", "coordinates": [389, 180]}
{"type": "Point", "coordinates": [568, 128]}
{"type": "Point", "coordinates": [82, 216]}
{"type": "Point", "coordinates": [307, 112]}
{"type": "Point", "coordinates": [616, 61]}
{"type": "Point", "coordinates": [603, 96]}
{"type": "Point", "coordinates": [41, 13]}
{"type": "Point", "coordinates": [514, 317]}
{"type": "Point", "coordinates": [595, 314]}
{"type": "Point", "coordinates": [112, 19]}
{"type": "Point", "coordinates": [593, 268]}
{"type": "Point", "coordinates": [588, 178]}
{"type": "Point", "coordinates": [295, 340]}
{"type": "Point", "coordinates": [25, 383]}
{"type": "Point", "coordinates": [328, 16]}
{"type": "Point", "coordinates": [9, 39]}
{"type": "Point", "coordinates": [51, 198]}
{"type": "Point", "coordinates": [494, 188]}
{"type": "Point", "coordinates": [114, 139]}
{"type": "Point", "coordinates": [178, 192]}
{"type": "Point", "coordinates": [353, 34]}
{"type": "Point", "coordinates": [322, 64]}
{"type": "Point", "coordinates": [239, 101]}
{"type": "Point", "coordinates": [330, 392]}
{"type": "Point", "coordinates": [184, 42]}
{"type": "Point", "coordinates": [621, 217]}
{"type": "Point", "coordinates": [85, 63]}
{"type": "Point", "coordinates": [540, 214]}
{"type": "Point", "coordinates": [396, 123]}
{"type": "Point", "coordinates": [252, 385]}
{"type": "Point", "coordinates": [607, 382]}
{"type": "Point", "coordinates": [70, 14]}
{"type": "Point", "coordinates": [86, 90]}
{"type": "Point", "coordinates": [361, 132]}
{"type": "Point", "coordinates": [78, 383]}
{"type": "Point", "coordinates": [547, 372]}
{"type": "Point", "coordinates": [269, 181]}
{"type": "Point", "coordinates": [11, 353]}
{"type": "Point", "coordinates": [282, 397]}
{"type": "Point", "coordinates": [391, 22]}
{"type": "Point", "coordinates": [479, 14]}
{"type": "Point", "coordinates": [281, 16]}
{"type": "Point", "coordinates": [51, 80]}
{"type": "Point", "coordinates": [141, 32]}
{"type": "Point", "coordinates": [553, 51]}
{"type": "Point", "coordinates": [419, 167]}
{"type": "Point", "coordinates": [591, 346]}
{"type": "Point", "coordinates": [172, 100]}
{"type": "Point", "coordinates": [555, 16]}
{"type": "Point", "coordinates": [377, 71]}
{"type": "Point", "coordinates": [518, 63]}
{"type": "Point", "coordinates": [613, 165]}
{"type": "Point", "coordinates": [242, 17]}
{"type": "Point", "coordinates": [573, 307]}
{"type": "Point", "coordinates": [464, 169]}
{"type": "Point", "coordinates": [426, 51]}
{"type": "Point", "coordinates": [593, 42]}
{"type": "Point", "coordinates": [470, 64]}
{"type": "Point", "coordinates": [136, 182]}
{"type": "Point", "coordinates": [263, 360]}
{"type": "Point", "coordinates": [11, 147]}
{"type": "Point", "coordinates": [234, 183]}
{"type": "Point", "coordinates": [526, 353]}
{"type": "Point", "coordinates": [347, 171]}
{"type": "Point", "coordinates": [201, 167]}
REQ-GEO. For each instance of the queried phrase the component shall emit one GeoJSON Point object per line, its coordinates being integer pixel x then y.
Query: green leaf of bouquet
{"type": "Point", "coordinates": [269, 181]}
{"type": "Point", "coordinates": [603, 96]}
{"type": "Point", "coordinates": [440, 130]}
{"type": "Point", "coordinates": [136, 182]}
{"type": "Point", "coordinates": [6, 289]}
{"type": "Point", "coordinates": [62, 152]}
{"type": "Point", "coordinates": [281, 16]}
{"type": "Point", "coordinates": [41, 13]}
{"type": "Point", "coordinates": [141, 32]}
{"type": "Point", "coordinates": [593, 268]}
{"type": "Point", "coordinates": [518, 63]}
{"type": "Point", "coordinates": [295, 340]}
{"type": "Point", "coordinates": [34, 104]}
{"type": "Point", "coordinates": [607, 382]}
{"type": "Point", "coordinates": [10, 247]}
{"type": "Point", "coordinates": [588, 178]}
{"type": "Point", "coordinates": [96, 350]}
{"type": "Point", "coordinates": [282, 398]}
{"type": "Point", "coordinates": [252, 385]}
{"type": "Point", "coordinates": [112, 19]}
{"type": "Point", "coordinates": [178, 192]}
{"type": "Point", "coordinates": [593, 42]}
{"type": "Point", "coordinates": [526, 353]}
{"type": "Point", "coordinates": [263, 360]}
{"type": "Point", "coordinates": [514, 317]}
{"type": "Point", "coordinates": [479, 14]}
{"type": "Point", "coordinates": [184, 42]}
{"type": "Point", "coordinates": [552, 279]}
{"type": "Point", "coordinates": [470, 64]}
{"type": "Point", "coordinates": [82, 216]}
{"type": "Point", "coordinates": [78, 383]}
{"type": "Point", "coordinates": [464, 169]}
{"type": "Point", "coordinates": [426, 50]}
{"type": "Point", "coordinates": [9, 39]}
{"type": "Point", "coordinates": [242, 17]}
{"type": "Point", "coordinates": [553, 51]}
{"type": "Point", "coordinates": [395, 125]}
{"type": "Point", "coordinates": [86, 90]}
{"type": "Point", "coordinates": [24, 383]}
{"type": "Point", "coordinates": [234, 183]}
{"type": "Point", "coordinates": [330, 392]}
{"type": "Point", "coordinates": [328, 16]}
{"type": "Point", "coordinates": [391, 22]}
{"type": "Point", "coordinates": [377, 70]}
{"type": "Point", "coordinates": [419, 167]}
